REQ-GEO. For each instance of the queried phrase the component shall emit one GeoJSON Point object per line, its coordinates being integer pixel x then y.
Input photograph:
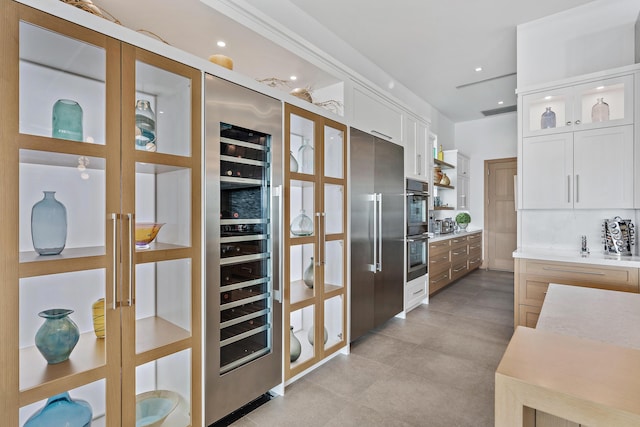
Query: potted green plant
{"type": "Point", "coordinates": [463, 219]}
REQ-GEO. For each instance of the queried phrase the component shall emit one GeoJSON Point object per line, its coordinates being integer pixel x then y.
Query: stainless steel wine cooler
{"type": "Point", "coordinates": [243, 167]}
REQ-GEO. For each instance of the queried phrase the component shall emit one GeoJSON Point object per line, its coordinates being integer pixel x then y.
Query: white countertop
{"type": "Point", "coordinates": [575, 257]}
{"type": "Point", "coordinates": [469, 230]}
{"type": "Point", "coordinates": [596, 314]}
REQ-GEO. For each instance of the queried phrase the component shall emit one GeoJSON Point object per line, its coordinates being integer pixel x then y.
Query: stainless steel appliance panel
{"type": "Point", "coordinates": [243, 319]}
{"type": "Point", "coordinates": [377, 231]}
{"type": "Point", "coordinates": [363, 204]}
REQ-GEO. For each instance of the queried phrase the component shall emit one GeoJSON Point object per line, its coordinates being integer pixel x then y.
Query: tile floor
{"type": "Point", "coordinates": [433, 369]}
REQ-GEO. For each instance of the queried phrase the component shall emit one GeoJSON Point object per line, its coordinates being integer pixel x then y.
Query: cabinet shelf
{"type": "Point", "coordinates": [71, 259]}
{"type": "Point", "coordinates": [443, 164]}
{"type": "Point", "coordinates": [39, 380]}
{"type": "Point", "coordinates": [302, 296]}
{"type": "Point", "coordinates": [443, 208]}
{"type": "Point", "coordinates": [156, 338]}
{"type": "Point", "coordinates": [450, 187]}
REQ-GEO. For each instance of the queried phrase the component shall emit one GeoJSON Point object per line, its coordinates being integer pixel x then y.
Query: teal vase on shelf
{"type": "Point", "coordinates": [145, 126]}
{"type": "Point", "coordinates": [57, 336]}
{"type": "Point", "coordinates": [49, 225]}
{"type": "Point", "coordinates": [67, 120]}
{"type": "Point", "coordinates": [62, 411]}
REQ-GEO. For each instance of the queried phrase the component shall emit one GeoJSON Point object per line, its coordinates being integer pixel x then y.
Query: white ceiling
{"type": "Point", "coordinates": [429, 46]}
{"type": "Point", "coordinates": [433, 46]}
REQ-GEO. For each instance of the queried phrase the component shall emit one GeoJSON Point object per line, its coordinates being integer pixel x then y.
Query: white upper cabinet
{"type": "Point", "coordinates": [591, 169]}
{"type": "Point", "coordinates": [597, 104]}
{"type": "Point", "coordinates": [374, 115]}
{"type": "Point", "coordinates": [416, 160]}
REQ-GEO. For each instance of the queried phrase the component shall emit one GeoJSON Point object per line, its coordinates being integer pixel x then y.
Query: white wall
{"type": "Point", "coordinates": [596, 36]}
{"type": "Point", "coordinates": [490, 138]}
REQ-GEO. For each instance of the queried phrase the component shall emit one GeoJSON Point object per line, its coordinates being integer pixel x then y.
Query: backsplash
{"type": "Point", "coordinates": [562, 229]}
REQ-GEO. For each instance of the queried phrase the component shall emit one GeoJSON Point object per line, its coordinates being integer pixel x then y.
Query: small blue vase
{"type": "Point", "coordinates": [62, 411]}
{"type": "Point", "coordinates": [548, 119]}
{"type": "Point", "coordinates": [49, 225]}
{"type": "Point", "coordinates": [67, 120]}
{"type": "Point", "coordinates": [57, 336]}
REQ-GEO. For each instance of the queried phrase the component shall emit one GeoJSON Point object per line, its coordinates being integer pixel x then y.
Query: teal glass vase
{"type": "Point", "coordinates": [145, 126]}
{"type": "Point", "coordinates": [62, 411]}
{"type": "Point", "coordinates": [49, 225]}
{"type": "Point", "coordinates": [67, 120]}
{"type": "Point", "coordinates": [57, 336]}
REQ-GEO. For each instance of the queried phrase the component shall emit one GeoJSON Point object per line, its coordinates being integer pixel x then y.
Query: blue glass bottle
{"type": "Point", "coordinates": [62, 411]}
{"type": "Point", "coordinates": [67, 120]}
{"type": "Point", "coordinates": [548, 119]}
{"type": "Point", "coordinates": [49, 225]}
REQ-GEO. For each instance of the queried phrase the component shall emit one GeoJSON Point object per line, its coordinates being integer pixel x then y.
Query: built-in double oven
{"type": "Point", "coordinates": [417, 236]}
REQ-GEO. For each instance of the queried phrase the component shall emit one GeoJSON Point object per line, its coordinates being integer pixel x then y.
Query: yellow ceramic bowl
{"type": "Point", "coordinates": [146, 232]}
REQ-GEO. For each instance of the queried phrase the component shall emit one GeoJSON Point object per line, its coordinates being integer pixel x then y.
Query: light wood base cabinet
{"type": "Point", "coordinates": [532, 277]}
{"type": "Point", "coordinates": [453, 258]}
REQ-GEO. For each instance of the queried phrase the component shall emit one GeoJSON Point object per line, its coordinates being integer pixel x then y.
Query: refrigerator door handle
{"type": "Point", "coordinates": [379, 202]}
{"type": "Point", "coordinates": [374, 199]}
{"type": "Point", "coordinates": [277, 292]}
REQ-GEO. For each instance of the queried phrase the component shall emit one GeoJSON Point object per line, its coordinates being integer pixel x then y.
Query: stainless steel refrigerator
{"type": "Point", "coordinates": [377, 231]}
{"type": "Point", "coordinates": [243, 317]}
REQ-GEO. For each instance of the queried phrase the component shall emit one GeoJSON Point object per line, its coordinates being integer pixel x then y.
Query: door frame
{"type": "Point", "coordinates": [485, 245]}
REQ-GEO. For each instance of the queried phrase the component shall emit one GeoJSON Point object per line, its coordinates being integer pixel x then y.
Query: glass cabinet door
{"type": "Point", "coordinates": [315, 199]}
{"type": "Point", "coordinates": [547, 112]}
{"type": "Point", "coordinates": [59, 191]}
{"type": "Point", "coordinates": [160, 247]}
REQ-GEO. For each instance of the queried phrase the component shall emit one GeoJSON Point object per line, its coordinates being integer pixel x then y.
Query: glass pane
{"type": "Point", "coordinates": [56, 68]}
{"type": "Point", "coordinates": [302, 210]}
{"type": "Point", "coordinates": [333, 271]}
{"type": "Point", "coordinates": [602, 102]}
{"type": "Point", "coordinates": [163, 197]}
{"type": "Point", "coordinates": [301, 336]}
{"type": "Point", "coordinates": [333, 199]}
{"type": "Point", "coordinates": [301, 273]}
{"type": "Point", "coordinates": [334, 321]}
{"type": "Point", "coordinates": [245, 246]}
{"type": "Point", "coordinates": [547, 111]}
{"type": "Point", "coordinates": [169, 379]}
{"type": "Point", "coordinates": [77, 292]}
{"type": "Point", "coordinates": [94, 394]}
{"type": "Point", "coordinates": [163, 303]}
{"type": "Point", "coordinates": [79, 185]}
{"type": "Point", "coordinates": [163, 111]}
{"type": "Point", "coordinates": [302, 143]}
{"type": "Point", "coordinates": [333, 150]}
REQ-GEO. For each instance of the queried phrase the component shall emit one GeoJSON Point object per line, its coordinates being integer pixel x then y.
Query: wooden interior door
{"type": "Point", "coordinates": [500, 214]}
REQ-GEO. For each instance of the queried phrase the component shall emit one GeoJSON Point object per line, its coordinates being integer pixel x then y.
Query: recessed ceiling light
{"type": "Point", "coordinates": [600, 87]}
{"type": "Point", "coordinates": [221, 43]}
{"type": "Point", "coordinates": [478, 69]}
{"type": "Point", "coordinates": [548, 97]}
{"type": "Point", "coordinates": [500, 102]}
{"type": "Point", "coordinates": [293, 78]}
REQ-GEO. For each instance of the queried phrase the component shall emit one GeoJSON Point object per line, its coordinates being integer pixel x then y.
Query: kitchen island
{"type": "Point", "coordinates": [582, 363]}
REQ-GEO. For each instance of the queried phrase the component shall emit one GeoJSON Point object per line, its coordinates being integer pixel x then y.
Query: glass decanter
{"type": "Point", "coordinates": [302, 225]}
{"type": "Point", "coordinates": [305, 156]}
{"type": "Point", "coordinates": [548, 119]}
{"type": "Point", "coordinates": [600, 111]}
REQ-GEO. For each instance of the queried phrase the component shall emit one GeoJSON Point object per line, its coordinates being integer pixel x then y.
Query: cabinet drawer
{"type": "Point", "coordinates": [475, 261]}
{"type": "Point", "coordinates": [459, 241]}
{"type": "Point", "coordinates": [529, 315]}
{"type": "Point", "coordinates": [439, 280]}
{"type": "Point", "coordinates": [459, 270]}
{"type": "Point", "coordinates": [438, 247]}
{"type": "Point", "coordinates": [532, 292]}
{"type": "Point", "coordinates": [414, 293]}
{"type": "Point", "coordinates": [439, 263]}
{"type": "Point", "coordinates": [459, 253]}
{"type": "Point", "coordinates": [474, 238]}
{"type": "Point", "coordinates": [476, 245]}
{"type": "Point", "coordinates": [595, 276]}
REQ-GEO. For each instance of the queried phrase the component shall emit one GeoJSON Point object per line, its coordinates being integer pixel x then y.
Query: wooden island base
{"type": "Point", "coordinates": [579, 368]}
